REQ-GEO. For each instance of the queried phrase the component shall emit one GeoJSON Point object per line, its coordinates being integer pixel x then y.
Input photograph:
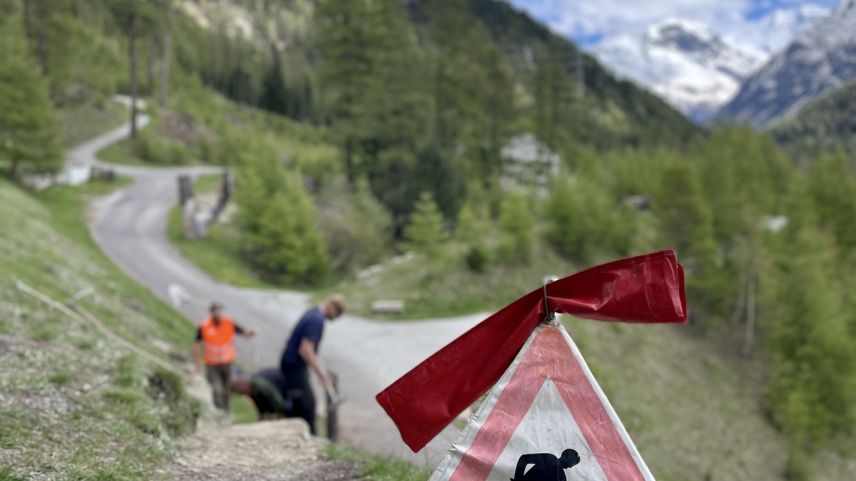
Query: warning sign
{"type": "Point", "coordinates": [643, 289]}
{"type": "Point", "coordinates": [545, 420]}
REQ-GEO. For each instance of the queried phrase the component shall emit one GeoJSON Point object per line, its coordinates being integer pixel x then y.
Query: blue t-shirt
{"type": "Point", "coordinates": [310, 326]}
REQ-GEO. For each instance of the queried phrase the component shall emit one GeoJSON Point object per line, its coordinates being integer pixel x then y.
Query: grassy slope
{"type": "Point", "coordinates": [445, 287]}
{"type": "Point", "coordinates": [84, 121]}
{"type": "Point", "coordinates": [823, 125]}
{"type": "Point", "coordinates": [377, 468]}
{"type": "Point", "coordinates": [164, 150]}
{"type": "Point", "coordinates": [74, 404]}
{"type": "Point", "coordinates": [693, 412]}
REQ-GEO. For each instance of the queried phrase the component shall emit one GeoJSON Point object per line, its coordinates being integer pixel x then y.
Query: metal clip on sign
{"type": "Point", "coordinates": [549, 315]}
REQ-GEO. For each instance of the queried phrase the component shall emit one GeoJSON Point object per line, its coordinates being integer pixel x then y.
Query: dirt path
{"type": "Point", "coordinates": [268, 451]}
{"type": "Point", "coordinates": [130, 227]}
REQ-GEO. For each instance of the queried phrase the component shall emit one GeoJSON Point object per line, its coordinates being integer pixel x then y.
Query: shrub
{"type": "Point", "coordinates": [183, 411]}
{"type": "Point", "coordinates": [355, 226]}
{"type": "Point", "coordinates": [585, 222]}
{"type": "Point", "coordinates": [477, 258]}
{"type": "Point", "coordinates": [155, 150]}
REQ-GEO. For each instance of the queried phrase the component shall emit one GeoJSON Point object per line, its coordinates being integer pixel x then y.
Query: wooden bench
{"type": "Point", "coordinates": [388, 306]}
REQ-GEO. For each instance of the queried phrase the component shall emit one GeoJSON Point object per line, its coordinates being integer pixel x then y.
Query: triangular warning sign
{"type": "Point", "coordinates": [545, 420]}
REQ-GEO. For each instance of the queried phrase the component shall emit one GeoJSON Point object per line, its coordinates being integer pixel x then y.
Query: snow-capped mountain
{"type": "Point", "coordinates": [820, 59]}
{"type": "Point", "coordinates": [684, 62]}
{"type": "Point", "coordinates": [694, 67]}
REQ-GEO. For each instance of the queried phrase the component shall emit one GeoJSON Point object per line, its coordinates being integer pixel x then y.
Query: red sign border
{"type": "Point", "coordinates": [505, 409]}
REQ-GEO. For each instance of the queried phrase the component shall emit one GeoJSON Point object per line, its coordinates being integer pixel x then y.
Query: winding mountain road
{"type": "Point", "coordinates": [130, 226]}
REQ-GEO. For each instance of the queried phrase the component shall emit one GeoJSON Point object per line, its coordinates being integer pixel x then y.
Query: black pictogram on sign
{"type": "Point", "coordinates": [545, 466]}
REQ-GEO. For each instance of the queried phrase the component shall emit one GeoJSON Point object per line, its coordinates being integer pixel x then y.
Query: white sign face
{"type": "Point", "coordinates": [545, 420]}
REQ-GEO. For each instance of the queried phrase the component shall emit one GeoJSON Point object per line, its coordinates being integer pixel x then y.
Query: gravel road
{"type": "Point", "coordinates": [130, 227]}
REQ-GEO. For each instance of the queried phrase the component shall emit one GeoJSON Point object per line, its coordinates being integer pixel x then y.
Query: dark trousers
{"type": "Point", "coordinates": [300, 393]}
{"type": "Point", "coordinates": [219, 377]}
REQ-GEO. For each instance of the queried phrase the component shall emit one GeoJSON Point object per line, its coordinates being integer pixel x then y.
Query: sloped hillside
{"type": "Point", "coordinates": [74, 404]}
{"type": "Point", "coordinates": [818, 61]}
{"type": "Point", "coordinates": [618, 112]}
{"type": "Point", "coordinates": [649, 119]}
{"type": "Point", "coordinates": [826, 124]}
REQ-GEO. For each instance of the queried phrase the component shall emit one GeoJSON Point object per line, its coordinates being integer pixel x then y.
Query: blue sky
{"type": "Point", "coordinates": [591, 21]}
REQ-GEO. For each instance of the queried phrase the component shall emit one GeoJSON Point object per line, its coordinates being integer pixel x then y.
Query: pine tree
{"type": "Point", "coordinates": [451, 29]}
{"type": "Point", "coordinates": [686, 225]}
{"type": "Point", "coordinates": [472, 229]}
{"type": "Point", "coordinates": [497, 104]}
{"type": "Point", "coordinates": [812, 389]}
{"type": "Point", "coordinates": [138, 18]}
{"type": "Point", "coordinates": [517, 228]}
{"type": "Point", "coordinates": [552, 87]}
{"type": "Point", "coordinates": [396, 112]}
{"type": "Point", "coordinates": [345, 43]}
{"type": "Point", "coordinates": [743, 173]}
{"type": "Point", "coordinates": [832, 185]}
{"type": "Point", "coordinates": [278, 220]}
{"type": "Point", "coordinates": [28, 134]}
{"type": "Point", "coordinates": [473, 224]}
{"type": "Point", "coordinates": [425, 232]}
{"type": "Point", "coordinates": [274, 96]}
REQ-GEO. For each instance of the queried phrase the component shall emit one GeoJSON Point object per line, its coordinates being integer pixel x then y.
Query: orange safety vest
{"type": "Point", "coordinates": [218, 341]}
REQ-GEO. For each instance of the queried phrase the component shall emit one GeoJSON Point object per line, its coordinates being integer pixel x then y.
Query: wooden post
{"type": "Point", "coordinates": [185, 189]}
{"type": "Point", "coordinates": [223, 199]}
{"type": "Point", "coordinates": [132, 54]}
{"type": "Point", "coordinates": [186, 205]}
{"type": "Point", "coordinates": [333, 411]}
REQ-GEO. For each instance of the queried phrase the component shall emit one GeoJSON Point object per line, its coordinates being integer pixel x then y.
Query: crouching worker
{"type": "Point", "coordinates": [216, 335]}
{"type": "Point", "coordinates": [266, 388]}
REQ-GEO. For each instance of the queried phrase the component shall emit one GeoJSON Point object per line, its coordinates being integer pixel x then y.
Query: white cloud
{"type": "Point", "coordinates": [608, 18]}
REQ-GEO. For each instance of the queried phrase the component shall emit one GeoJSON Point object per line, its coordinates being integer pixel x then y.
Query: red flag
{"type": "Point", "coordinates": [645, 289]}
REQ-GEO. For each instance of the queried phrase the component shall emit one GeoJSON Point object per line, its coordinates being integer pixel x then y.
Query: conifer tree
{"type": "Point", "coordinates": [396, 110]}
{"type": "Point", "coordinates": [473, 224]}
{"type": "Point", "coordinates": [28, 134]}
{"type": "Point", "coordinates": [472, 229]}
{"type": "Point", "coordinates": [345, 43]}
{"type": "Point", "coordinates": [274, 97]}
{"type": "Point", "coordinates": [425, 233]}
{"type": "Point", "coordinates": [278, 220]}
{"type": "Point", "coordinates": [812, 389]}
{"type": "Point", "coordinates": [686, 225]}
{"type": "Point", "coordinates": [832, 185]}
{"type": "Point", "coordinates": [472, 89]}
{"type": "Point", "coordinates": [552, 87]}
{"type": "Point", "coordinates": [497, 105]}
{"type": "Point", "coordinates": [517, 228]}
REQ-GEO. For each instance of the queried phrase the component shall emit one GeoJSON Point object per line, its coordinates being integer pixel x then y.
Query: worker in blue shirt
{"type": "Point", "coordinates": [301, 353]}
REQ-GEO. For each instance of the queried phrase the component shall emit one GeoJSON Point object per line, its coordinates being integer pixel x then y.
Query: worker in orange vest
{"type": "Point", "coordinates": [216, 337]}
